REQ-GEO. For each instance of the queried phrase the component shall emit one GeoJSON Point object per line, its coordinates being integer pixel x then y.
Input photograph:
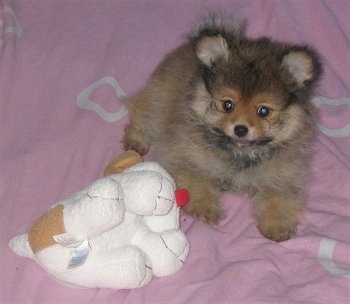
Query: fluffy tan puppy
{"type": "Point", "coordinates": [230, 113]}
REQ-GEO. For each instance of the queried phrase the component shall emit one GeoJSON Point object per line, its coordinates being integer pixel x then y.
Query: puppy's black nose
{"type": "Point", "coordinates": [241, 130]}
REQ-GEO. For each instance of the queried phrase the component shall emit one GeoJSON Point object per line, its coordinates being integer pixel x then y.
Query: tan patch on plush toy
{"type": "Point", "coordinates": [122, 162]}
{"type": "Point", "coordinates": [49, 224]}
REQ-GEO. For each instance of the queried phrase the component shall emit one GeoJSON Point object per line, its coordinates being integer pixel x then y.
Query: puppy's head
{"type": "Point", "coordinates": [252, 92]}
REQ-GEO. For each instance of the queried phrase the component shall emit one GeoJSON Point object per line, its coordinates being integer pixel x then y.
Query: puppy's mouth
{"type": "Point", "coordinates": [241, 143]}
{"type": "Point", "coordinates": [247, 143]}
{"type": "Point", "coordinates": [223, 140]}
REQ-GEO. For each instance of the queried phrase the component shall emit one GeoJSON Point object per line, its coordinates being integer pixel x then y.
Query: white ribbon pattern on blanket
{"type": "Point", "coordinates": [325, 257]}
{"type": "Point", "coordinates": [86, 103]}
{"type": "Point", "coordinates": [15, 29]}
{"type": "Point", "coordinates": [343, 132]}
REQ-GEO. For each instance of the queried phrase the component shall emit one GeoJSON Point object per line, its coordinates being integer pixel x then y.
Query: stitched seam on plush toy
{"type": "Point", "coordinates": [161, 188]}
{"type": "Point", "coordinates": [166, 246]}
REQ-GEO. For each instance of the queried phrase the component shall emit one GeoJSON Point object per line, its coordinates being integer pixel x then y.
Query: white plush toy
{"type": "Point", "coordinates": [117, 233]}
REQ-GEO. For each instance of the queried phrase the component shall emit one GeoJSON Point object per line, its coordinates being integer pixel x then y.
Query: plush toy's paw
{"type": "Point", "coordinates": [177, 243]}
{"type": "Point", "coordinates": [165, 198]}
{"type": "Point", "coordinates": [148, 193]}
{"type": "Point", "coordinates": [173, 255]}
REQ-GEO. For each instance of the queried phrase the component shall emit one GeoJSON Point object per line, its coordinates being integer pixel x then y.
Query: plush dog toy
{"type": "Point", "coordinates": [117, 233]}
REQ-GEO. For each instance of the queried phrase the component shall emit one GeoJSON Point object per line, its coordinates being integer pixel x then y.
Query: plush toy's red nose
{"type": "Point", "coordinates": [182, 197]}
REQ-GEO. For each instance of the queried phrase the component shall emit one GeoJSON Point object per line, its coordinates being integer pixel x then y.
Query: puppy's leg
{"type": "Point", "coordinates": [136, 136]}
{"type": "Point", "coordinates": [204, 197]}
{"type": "Point", "coordinates": [278, 212]}
{"type": "Point", "coordinates": [135, 139]}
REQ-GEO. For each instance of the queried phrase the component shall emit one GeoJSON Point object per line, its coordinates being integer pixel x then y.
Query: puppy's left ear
{"type": "Point", "coordinates": [209, 49]}
{"type": "Point", "coordinates": [303, 65]}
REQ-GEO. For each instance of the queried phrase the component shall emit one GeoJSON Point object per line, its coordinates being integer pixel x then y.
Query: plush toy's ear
{"type": "Point", "coordinates": [210, 49]}
{"type": "Point", "coordinates": [122, 162]}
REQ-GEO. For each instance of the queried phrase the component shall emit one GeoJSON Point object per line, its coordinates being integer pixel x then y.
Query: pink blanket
{"type": "Point", "coordinates": [64, 67]}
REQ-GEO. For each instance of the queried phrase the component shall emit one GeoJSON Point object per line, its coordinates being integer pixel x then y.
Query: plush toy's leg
{"type": "Point", "coordinates": [121, 268]}
{"type": "Point", "coordinates": [99, 210]}
{"type": "Point", "coordinates": [167, 251]}
{"type": "Point", "coordinates": [20, 246]}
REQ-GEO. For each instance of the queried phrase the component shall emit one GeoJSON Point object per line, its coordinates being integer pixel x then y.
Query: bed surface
{"type": "Point", "coordinates": [64, 68]}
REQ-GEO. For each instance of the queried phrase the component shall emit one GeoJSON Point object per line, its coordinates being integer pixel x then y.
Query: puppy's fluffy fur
{"type": "Point", "coordinates": [231, 113]}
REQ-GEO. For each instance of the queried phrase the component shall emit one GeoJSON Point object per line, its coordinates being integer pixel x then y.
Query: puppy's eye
{"type": "Point", "coordinates": [263, 112]}
{"type": "Point", "coordinates": [228, 105]}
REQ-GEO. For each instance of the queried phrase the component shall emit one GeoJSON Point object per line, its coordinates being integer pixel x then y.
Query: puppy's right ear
{"type": "Point", "coordinates": [209, 49]}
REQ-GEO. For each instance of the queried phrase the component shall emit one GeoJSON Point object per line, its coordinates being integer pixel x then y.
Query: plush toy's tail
{"type": "Point", "coordinates": [20, 246]}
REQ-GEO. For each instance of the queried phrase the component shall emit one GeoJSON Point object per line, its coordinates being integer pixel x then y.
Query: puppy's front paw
{"type": "Point", "coordinates": [136, 141]}
{"type": "Point", "coordinates": [278, 212]}
{"type": "Point", "coordinates": [204, 197]}
{"type": "Point", "coordinates": [209, 213]}
{"type": "Point", "coordinates": [277, 230]}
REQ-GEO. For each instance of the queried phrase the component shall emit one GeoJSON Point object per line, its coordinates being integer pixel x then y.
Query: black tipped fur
{"type": "Point", "coordinates": [218, 24]}
{"type": "Point", "coordinates": [182, 111]}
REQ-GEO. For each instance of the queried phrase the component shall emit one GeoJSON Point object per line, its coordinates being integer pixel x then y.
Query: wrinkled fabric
{"type": "Point", "coordinates": [65, 67]}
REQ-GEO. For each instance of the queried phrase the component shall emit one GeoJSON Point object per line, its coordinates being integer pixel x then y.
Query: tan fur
{"type": "Point", "coordinates": [41, 234]}
{"type": "Point", "coordinates": [279, 216]}
{"type": "Point", "coordinates": [182, 111]}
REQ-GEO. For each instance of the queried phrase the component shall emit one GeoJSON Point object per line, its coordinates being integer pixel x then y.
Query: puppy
{"type": "Point", "coordinates": [227, 112]}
